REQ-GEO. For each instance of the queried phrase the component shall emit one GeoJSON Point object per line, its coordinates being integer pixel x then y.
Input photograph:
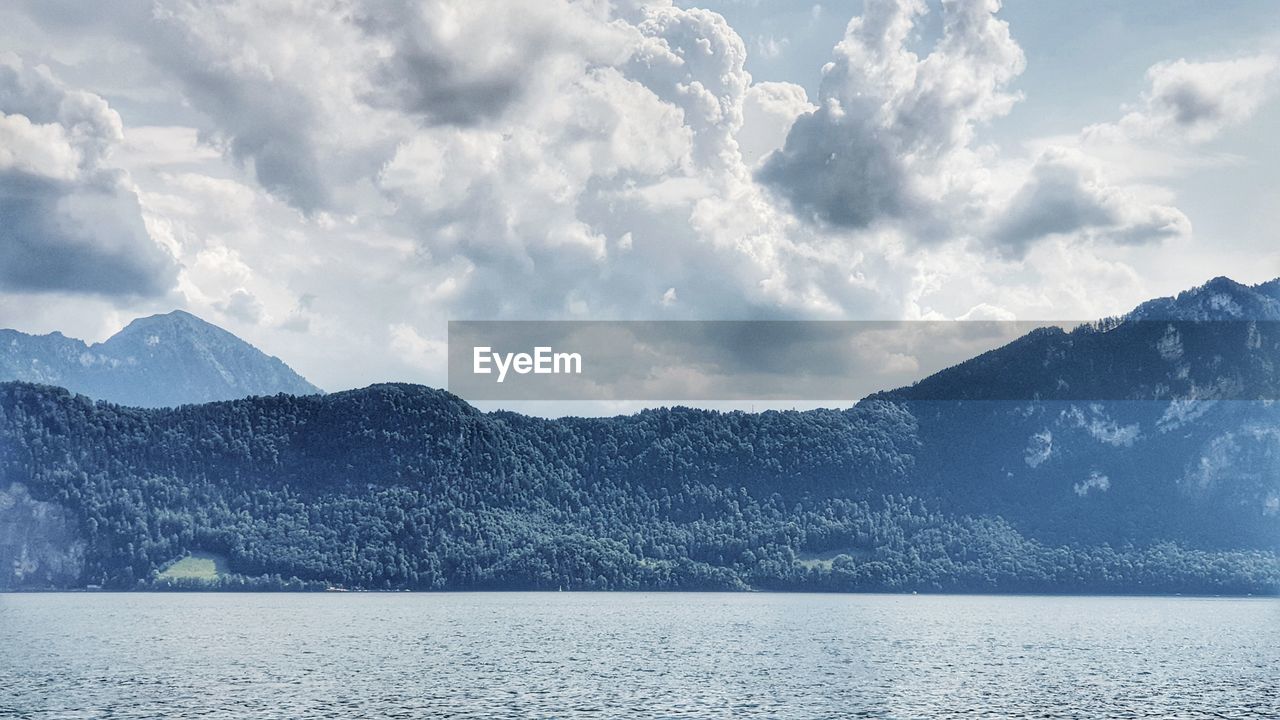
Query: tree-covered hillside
{"type": "Point", "coordinates": [400, 486]}
{"type": "Point", "coordinates": [1139, 454]}
{"type": "Point", "coordinates": [1159, 424]}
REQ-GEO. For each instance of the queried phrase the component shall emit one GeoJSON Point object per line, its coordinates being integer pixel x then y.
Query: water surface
{"type": "Point", "coordinates": [570, 655]}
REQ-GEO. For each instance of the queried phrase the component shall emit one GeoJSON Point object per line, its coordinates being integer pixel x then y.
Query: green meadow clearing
{"type": "Point", "coordinates": [196, 566]}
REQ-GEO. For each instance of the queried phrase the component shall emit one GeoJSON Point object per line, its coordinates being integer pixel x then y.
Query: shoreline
{"type": "Point", "coordinates": [1136, 595]}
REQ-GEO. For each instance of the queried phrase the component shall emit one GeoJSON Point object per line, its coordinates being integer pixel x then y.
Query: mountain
{"type": "Point", "coordinates": [1105, 458]}
{"type": "Point", "coordinates": [157, 361]}
{"type": "Point", "coordinates": [1164, 418]}
{"type": "Point", "coordinates": [1218, 341]}
{"type": "Point", "coordinates": [1219, 299]}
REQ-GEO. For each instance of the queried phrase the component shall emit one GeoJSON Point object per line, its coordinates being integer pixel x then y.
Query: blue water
{"type": "Point", "coordinates": [570, 655]}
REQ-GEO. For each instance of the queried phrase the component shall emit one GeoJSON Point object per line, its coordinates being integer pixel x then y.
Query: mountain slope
{"type": "Point", "coordinates": [398, 486]}
{"type": "Point", "coordinates": [1219, 299]}
{"type": "Point", "coordinates": [1095, 460]}
{"type": "Point", "coordinates": [157, 361]}
{"type": "Point", "coordinates": [1164, 418]}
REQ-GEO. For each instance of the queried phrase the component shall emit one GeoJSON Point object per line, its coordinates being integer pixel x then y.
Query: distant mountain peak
{"type": "Point", "coordinates": [1217, 340]}
{"type": "Point", "coordinates": [1218, 299]}
{"type": "Point", "coordinates": [179, 325]}
{"type": "Point", "coordinates": [174, 319]}
{"type": "Point", "coordinates": [1221, 282]}
{"type": "Point", "coordinates": [167, 359]}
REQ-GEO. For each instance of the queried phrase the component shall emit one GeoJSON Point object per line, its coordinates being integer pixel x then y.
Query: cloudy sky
{"type": "Point", "coordinates": [333, 180]}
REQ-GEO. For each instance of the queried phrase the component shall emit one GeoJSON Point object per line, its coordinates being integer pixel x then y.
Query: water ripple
{"type": "Point", "coordinates": [568, 655]}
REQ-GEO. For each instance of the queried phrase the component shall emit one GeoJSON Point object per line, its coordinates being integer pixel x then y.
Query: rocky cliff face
{"type": "Point", "coordinates": [40, 545]}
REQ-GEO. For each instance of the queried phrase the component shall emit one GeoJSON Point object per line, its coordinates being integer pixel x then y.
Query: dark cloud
{"type": "Point", "coordinates": [243, 306]}
{"type": "Point", "coordinates": [300, 319]}
{"type": "Point", "coordinates": [68, 223]}
{"type": "Point", "coordinates": [464, 64]}
{"type": "Point", "coordinates": [264, 123]}
{"type": "Point", "coordinates": [1191, 105]}
{"type": "Point", "coordinates": [439, 88]}
{"type": "Point", "coordinates": [830, 173]}
{"type": "Point", "coordinates": [1194, 101]}
{"type": "Point", "coordinates": [1205, 97]}
{"type": "Point", "coordinates": [59, 237]}
{"type": "Point", "coordinates": [1064, 194]}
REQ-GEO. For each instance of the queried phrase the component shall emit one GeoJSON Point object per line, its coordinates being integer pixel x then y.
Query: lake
{"type": "Point", "coordinates": [582, 655]}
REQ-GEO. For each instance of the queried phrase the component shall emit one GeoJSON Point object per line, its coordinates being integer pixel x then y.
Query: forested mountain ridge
{"type": "Point", "coordinates": [1218, 341]}
{"type": "Point", "coordinates": [401, 486]}
{"type": "Point", "coordinates": [1219, 299]}
{"type": "Point", "coordinates": [156, 361]}
{"type": "Point", "coordinates": [1164, 418]}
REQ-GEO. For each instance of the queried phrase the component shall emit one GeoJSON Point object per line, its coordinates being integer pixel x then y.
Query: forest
{"type": "Point", "coordinates": [407, 487]}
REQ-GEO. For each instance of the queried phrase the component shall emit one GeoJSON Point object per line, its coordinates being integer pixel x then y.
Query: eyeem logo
{"type": "Point", "coordinates": [543, 361]}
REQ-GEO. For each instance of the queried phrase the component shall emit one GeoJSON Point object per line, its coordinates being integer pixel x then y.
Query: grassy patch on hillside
{"type": "Point", "coordinates": [196, 566]}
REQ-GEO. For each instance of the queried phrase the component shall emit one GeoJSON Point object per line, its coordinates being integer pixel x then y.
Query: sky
{"type": "Point", "coordinates": [334, 181]}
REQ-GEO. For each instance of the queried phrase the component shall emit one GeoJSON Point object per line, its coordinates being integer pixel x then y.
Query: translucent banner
{"type": "Point", "coordinates": [826, 360]}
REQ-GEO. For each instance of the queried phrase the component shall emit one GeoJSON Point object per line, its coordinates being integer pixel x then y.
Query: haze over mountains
{"type": "Point", "coordinates": [157, 361]}
{"type": "Point", "coordinates": [1137, 454]}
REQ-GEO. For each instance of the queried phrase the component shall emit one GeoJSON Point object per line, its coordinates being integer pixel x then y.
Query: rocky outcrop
{"type": "Point", "coordinates": [40, 545]}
